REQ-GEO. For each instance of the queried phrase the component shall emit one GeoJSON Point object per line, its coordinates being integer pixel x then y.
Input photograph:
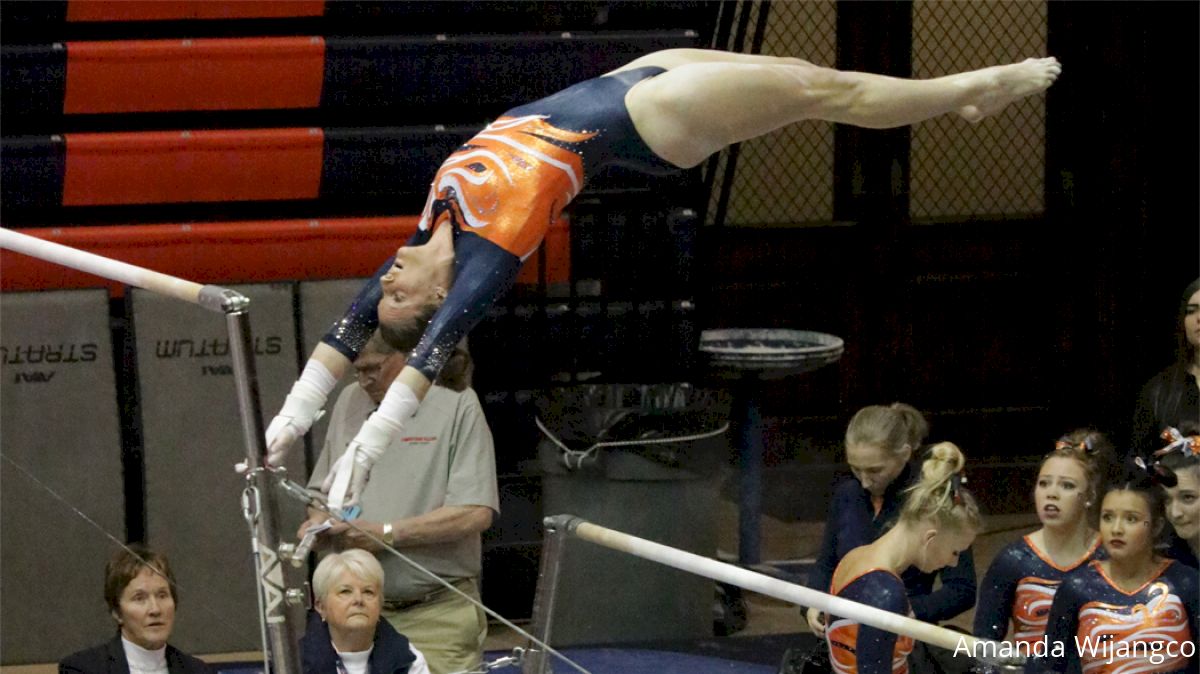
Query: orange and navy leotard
{"type": "Point", "coordinates": [500, 191]}
{"type": "Point", "coordinates": [1105, 630]}
{"type": "Point", "coordinates": [855, 648]}
{"type": "Point", "coordinates": [1019, 587]}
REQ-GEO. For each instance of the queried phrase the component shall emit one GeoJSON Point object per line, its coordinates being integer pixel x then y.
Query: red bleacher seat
{"type": "Point", "coordinates": [217, 74]}
{"type": "Point", "coordinates": [158, 10]}
{"type": "Point", "coordinates": [178, 166]}
{"type": "Point", "coordinates": [247, 251]}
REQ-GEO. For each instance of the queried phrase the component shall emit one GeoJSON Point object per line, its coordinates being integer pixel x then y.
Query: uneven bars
{"type": "Point", "coordinates": [772, 587]}
{"type": "Point", "coordinates": [210, 297]}
{"type": "Point", "coordinates": [281, 631]}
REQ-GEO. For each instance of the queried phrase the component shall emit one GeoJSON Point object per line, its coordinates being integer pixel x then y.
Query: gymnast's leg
{"type": "Point", "coordinates": [701, 105]}
{"type": "Point", "coordinates": [673, 58]}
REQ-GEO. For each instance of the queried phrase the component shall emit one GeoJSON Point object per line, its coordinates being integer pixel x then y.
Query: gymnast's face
{"type": "Point", "coordinates": [1061, 492]}
{"type": "Point", "coordinates": [415, 281]}
{"type": "Point", "coordinates": [1126, 526]}
{"type": "Point", "coordinates": [146, 612]}
{"type": "Point", "coordinates": [1183, 505]}
{"type": "Point", "coordinates": [1191, 319]}
{"type": "Point", "coordinates": [876, 467]}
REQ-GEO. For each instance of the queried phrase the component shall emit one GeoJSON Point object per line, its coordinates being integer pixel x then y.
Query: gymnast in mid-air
{"type": "Point", "coordinates": [492, 201]}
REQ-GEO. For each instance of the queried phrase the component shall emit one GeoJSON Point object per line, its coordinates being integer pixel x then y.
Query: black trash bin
{"type": "Point", "coordinates": [642, 459]}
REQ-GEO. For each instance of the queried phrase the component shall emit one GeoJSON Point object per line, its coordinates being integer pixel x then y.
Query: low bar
{"type": "Point", "coordinates": [771, 587]}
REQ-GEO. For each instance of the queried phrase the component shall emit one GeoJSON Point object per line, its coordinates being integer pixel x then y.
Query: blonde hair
{"type": "Point", "coordinates": [357, 561]}
{"type": "Point", "coordinates": [939, 495]}
{"type": "Point", "coordinates": [889, 427]}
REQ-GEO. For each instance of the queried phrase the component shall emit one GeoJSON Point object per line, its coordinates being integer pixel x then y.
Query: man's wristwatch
{"type": "Point", "coordinates": [387, 534]}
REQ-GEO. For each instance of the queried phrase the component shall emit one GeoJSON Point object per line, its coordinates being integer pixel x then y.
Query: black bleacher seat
{"type": "Point", "coordinates": [32, 174]}
{"type": "Point", "coordinates": [370, 81]}
{"type": "Point", "coordinates": [32, 83]}
{"type": "Point", "coordinates": [27, 22]}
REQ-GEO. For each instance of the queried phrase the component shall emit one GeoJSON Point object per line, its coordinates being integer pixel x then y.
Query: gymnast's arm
{"type": "Point", "coordinates": [484, 272]}
{"type": "Point", "coordinates": [827, 557]}
{"type": "Point", "coordinates": [995, 601]}
{"type": "Point", "coordinates": [956, 595]}
{"type": "Point", "coordinates": [874, 647]}
{"type": "Point", "coordinates": [327, 364]}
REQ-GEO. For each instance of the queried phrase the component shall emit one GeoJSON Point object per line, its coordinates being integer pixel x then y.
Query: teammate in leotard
{"type": "Point", "coordinates": [1134, 611]}
{"type": "Point", "coordinates": [1019, 586]}
{"type": "Point", "coordinates": [938, 522]}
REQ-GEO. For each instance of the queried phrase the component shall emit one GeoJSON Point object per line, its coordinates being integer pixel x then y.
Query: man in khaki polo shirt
{"type": "Point", "coordinates": [430, 496]}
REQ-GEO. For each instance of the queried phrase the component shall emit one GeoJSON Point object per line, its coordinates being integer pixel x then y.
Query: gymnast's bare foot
{"type": "Point", "coordinates": [1004, 84]}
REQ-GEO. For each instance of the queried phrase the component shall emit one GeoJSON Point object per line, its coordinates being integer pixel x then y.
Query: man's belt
{"type": "Point", "coordinates": [404, 604]}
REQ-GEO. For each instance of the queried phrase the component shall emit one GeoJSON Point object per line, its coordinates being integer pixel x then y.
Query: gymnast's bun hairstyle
{"type": "Point", "coordinates": [889, 427]}
{"type": "Point", "coordinates": [939, 495]}
{"type": "Point", "coordinates": [403, 335]}
{"type": "Point", "coordinates": [1094, 453]}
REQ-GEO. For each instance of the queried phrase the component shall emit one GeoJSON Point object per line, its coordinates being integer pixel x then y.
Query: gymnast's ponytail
{"type": "Point", "coordinates": [939, 495]}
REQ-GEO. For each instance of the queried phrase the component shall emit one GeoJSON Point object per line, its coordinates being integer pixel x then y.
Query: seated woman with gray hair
{"type": "Point", "coordinates": [350, 638]}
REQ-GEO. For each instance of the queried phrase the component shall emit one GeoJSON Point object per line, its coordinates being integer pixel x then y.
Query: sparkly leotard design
{"type": "Point", "coordinates": [1019, 587]}
{"type": "Point", "coordinates": [1105, 630]}
{"type": "Point", "coordinates": [855, 648]}
{"type": "Point", "coordinates": [500, 192]}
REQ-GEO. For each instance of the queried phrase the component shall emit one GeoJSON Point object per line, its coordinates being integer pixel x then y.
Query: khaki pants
{"type": "Point", "coordinates": [448, 630]}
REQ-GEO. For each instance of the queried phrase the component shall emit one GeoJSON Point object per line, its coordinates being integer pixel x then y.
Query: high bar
{"type": "Point", "coordinates": [214, 298]}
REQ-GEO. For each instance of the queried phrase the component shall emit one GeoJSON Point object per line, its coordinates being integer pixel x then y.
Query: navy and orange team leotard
{"type": "Point", "coordinates": [1097, 628]}
{"type": "Point", "coordinates": [1019, 587]}
{"type": "Point", "coordinates": [855, 648]}
{"type": "Point", "coordinates": [501, 191]}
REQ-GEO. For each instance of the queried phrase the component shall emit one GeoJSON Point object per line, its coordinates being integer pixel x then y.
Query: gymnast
{"type": "Point", "coordinates": [1133, 611]}
{"type": "Point", "coordinates": [938, 522]}
{"type": "Point", "coordinates": [1182, 456]}
{"type": "Point", "coordinates": [1020, 584]}
{"type": "Point", "coordinates": [493, 199]}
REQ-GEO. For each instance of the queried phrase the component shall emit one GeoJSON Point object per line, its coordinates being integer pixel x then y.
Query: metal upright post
{"type": "Point", "coordinates": [555, 537]}
{"type": "Point", "coordinates": [282, 633]}
{"type": "Point", "coordinates": [750, 461]}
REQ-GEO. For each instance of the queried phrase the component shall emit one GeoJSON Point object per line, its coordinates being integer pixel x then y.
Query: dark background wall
{"type": "Point", "coordinates": [1007, 330]}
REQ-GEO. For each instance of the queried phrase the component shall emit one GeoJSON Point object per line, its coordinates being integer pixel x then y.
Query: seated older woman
{"type": "Point", "coordinates": [140, 590]}
{"type": "Point", "coordinates": [350, 638]}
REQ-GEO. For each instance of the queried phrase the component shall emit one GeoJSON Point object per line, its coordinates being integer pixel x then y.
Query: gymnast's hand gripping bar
{"type": "Point", "coordinates": [280, 629]}
{"type": "Point", "coordinates": [214, 298]}
{"type": "Point", "coordinates": [773, 587]}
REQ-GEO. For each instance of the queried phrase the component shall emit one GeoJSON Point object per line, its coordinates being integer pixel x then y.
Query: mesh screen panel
{"type": "Point", "coordinates": [786, 176]}
{"type": "Point", "coordinates": [996, 167]}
